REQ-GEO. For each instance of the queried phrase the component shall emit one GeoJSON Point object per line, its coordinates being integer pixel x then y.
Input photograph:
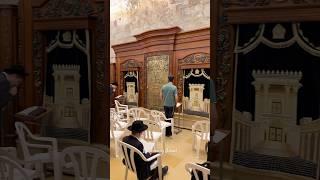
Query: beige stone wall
{"type": "Point", "coordinates": [131, 17]}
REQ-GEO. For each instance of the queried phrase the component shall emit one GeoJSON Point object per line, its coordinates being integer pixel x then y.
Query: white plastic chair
{"type": "Point", "coordinates": [160, 117]}
{"type": "Point", "coordinates": [115, 135]}
{"type": "Point", "coordinates": [47, 143]}
{"type": "Point", "coordinates": [84, 160]}
{"type": "Point", "coordinates": [193, 168]}
{"type": "Point", "coordinates": [11, 152]}
{"type": "Point", "coordinates": [152, 135]}
{"type": "Point", "coordinates": [128, 152]}
{"type": "Point", "coordinates": [12, 170]}
{"type": "Point", "coordinates": [201, 133]}
{"type": "Point", "coordinates": [138, 114]}
{"type": "Point", "coordinates": [114, 116]}
{"type": "Point", "coordinates": [122, 110]}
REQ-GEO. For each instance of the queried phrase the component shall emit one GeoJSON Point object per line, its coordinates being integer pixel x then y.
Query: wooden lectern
{"type": "Point", "coordinates": [36, 119]}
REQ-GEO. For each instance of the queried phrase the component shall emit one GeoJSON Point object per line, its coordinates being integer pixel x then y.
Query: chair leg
{"type": "Point", "coordinates": [116, 148]}
{"type": "Point", "coordinates": [126, 174]}
{"type": "Point", "coordinates": [198, 148]}
{"type": "Point", "coordinates": [193, 142]}
{"type": "Point", "coordinates": [40, 170]}
{"type": "Point", "coordinates": [160, 172]}
{"type": "Point", "coordinates": [162, 139]}
{"type": "Point", "coordinates": [172, 129]}
{"type": "Point", "coordinates": [163, 144]}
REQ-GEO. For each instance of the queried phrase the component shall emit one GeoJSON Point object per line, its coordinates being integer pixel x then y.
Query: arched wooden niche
{"type": "Point", "coordinates": [130, 71]}
{"type": "Point", "coordinates": [196, 65]}
{"type": "Point", "coordinates": [57, 15]}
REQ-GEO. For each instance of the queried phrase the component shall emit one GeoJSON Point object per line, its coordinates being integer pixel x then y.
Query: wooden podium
{"type": "Point", "coordinates": [36, 119]}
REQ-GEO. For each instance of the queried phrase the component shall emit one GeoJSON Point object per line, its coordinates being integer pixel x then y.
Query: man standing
{"type": "Point", "coordinates": [113, 88]}
{"type": "Point", "coordinates": [169, 96]}
{"type": "Point", "coordinates": [10, 79]}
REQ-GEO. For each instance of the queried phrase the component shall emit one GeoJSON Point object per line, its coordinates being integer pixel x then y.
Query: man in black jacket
{"type": "Point", "coordinates": [10, 79]}
{"type": "Point", "coordinates": [143, 168]}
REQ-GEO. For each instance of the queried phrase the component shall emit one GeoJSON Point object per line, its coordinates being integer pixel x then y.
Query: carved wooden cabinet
{"type": "Point", "coordinates": [157, 53]}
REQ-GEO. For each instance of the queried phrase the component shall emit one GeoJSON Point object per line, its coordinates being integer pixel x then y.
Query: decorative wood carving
{"type": "Point", "coordinates": [157, 71]}
{"type": "Point", "coordinates": [131, 63]}
{"type": "Point", "coordinates": [99, 93]}
{"type": "Point", "coordinates": [145, 70]}
{"type": "Point", "coordinates": [263, 11]}
{"type": "Point", "coordinates": [196, 58]}
{"type": "Point", "coordinates": [264, 3]}
{"type": "Point", "coordinates": [194, 61]}
{"type": "Point", "coordinates": [63, 9]}
{"type": "Point", "coordinates": [38, 65]}
{"type": "Point", "coordinates": [223, 74]}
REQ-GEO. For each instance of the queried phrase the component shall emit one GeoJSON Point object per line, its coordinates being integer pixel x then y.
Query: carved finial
{"type": "Point", "coordinates": [67, 36]}
{"type": "Point", "coordinates": [278, 32]}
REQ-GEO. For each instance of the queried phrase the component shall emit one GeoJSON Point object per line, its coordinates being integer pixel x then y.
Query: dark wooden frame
{"type": "Point", "coordinates": [95, 21]}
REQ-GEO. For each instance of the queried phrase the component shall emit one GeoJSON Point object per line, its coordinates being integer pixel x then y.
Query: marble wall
{"type": "Point", "coordinates": [131, 17]}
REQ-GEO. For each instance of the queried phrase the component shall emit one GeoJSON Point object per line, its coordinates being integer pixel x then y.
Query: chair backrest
{"type": "Point", "coordinates": [114, 126]}
{"type": "Point", "coordinates": [114, 115]}
{"type": "Point", "coordinates": [138, 113]}
{"type": "Point", "coordinates": [128, 152]}
{"type": "Point", "coordinates": [195, 168]}
{"type": "Point", "coordinates": [158, 116]}
{"type": "Point", "coordinates": [152, 127]}
{"type": "Point", "coordinates": [119, 106]}
{"type": "Point", "coordinates": [84, 159]}
{"type": "Point", "coordinates": [202, 127]}
{"type": "Point", "coordinates": [10, 169]}
{"type": "Point", "coordinates": [23, 132]}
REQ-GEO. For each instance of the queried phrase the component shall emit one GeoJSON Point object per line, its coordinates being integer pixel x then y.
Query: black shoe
{"type": "Point", "coordinates": [164, 172]}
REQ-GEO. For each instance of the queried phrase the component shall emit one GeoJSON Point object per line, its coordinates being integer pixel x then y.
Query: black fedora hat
{"type": "Point", "coordinates": [138, 126]}
{"type": "Point", "coordinates": [16, 69]}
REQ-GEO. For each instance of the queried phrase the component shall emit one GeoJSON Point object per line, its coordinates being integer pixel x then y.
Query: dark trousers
{"type": "Point", "coordinates": [169, 112]}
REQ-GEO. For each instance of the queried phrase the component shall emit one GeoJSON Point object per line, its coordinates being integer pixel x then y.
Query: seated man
{"type": "Point", "coordinates": [143, 168]}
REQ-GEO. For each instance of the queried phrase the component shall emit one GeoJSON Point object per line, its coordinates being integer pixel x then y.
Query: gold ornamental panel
{"type": "Point", "coordinates": [157, 76]}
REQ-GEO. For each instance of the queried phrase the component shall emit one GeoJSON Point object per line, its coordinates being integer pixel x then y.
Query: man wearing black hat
{"type": "Point", "coordinates": [143, 168]}
{"type": "Point", "coordinates": [10, 79]}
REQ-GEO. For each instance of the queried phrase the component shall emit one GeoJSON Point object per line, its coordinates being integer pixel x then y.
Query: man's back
{"type": "Point", "coordinates": [169, 92]}
{"type": "Point", "coordinates": [143, 168]}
